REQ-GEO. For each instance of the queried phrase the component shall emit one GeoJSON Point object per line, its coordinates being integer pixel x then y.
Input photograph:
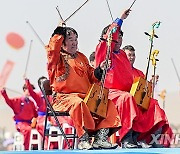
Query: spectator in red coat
{"type": "Point", "coordinates": [24, 113]}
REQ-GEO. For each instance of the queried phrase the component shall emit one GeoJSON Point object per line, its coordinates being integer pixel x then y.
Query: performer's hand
{"type": "Point", "coordinates": [33, 123]}
{"type": "Point", "coordinates": [125, 14]}
{"type": "Point", "coordinates": [61, 24]}
{"type": "Point", "coordinates": [24, 77]}
{"type": "Point", "coordinates": [60, 30]}
{"type": "Point", "coordinates": [102, 65]}
{"type": "Point", "coordinates": [156, 79]}
{"type": "Point", "coordinates": [3, 89]}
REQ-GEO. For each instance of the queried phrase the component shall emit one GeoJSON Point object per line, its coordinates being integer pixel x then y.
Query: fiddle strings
{"type": "Point", "coordinates": [35, 33]}
{"type": "Point", "coordinates": [106, 63]}
{"type": "Point", "coordinates": [154, 81]}
{"type": "Point", "coordinates": [28, 58]}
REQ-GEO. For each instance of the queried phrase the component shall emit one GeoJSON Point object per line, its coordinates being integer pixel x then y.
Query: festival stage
{"type": "Point", "coordinates": [117, 151]}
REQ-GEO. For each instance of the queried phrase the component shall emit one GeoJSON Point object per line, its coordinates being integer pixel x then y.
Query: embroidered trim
{"type": "Point", "coordinates": [64, 76]}
{"type": "Point", "coordinates": [69, 56]}
{"type": "Point", "coordinates": [65, 58]}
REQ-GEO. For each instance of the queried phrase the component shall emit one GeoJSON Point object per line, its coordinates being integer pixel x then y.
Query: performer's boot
{"type": "Point", "coordinates": [84, 143]}
{"type": "Point", "coordinates": [140, 144]}
{"type": "Point", "coordinates": [101, 140]}
{"type": "Point", "coordinates": [157, 144]}
{"type": "Point", "coordinates": [127, 141]}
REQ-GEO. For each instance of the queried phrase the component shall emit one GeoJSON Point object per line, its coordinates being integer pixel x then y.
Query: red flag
{"type": "Point", "coordinates": [6, 72]}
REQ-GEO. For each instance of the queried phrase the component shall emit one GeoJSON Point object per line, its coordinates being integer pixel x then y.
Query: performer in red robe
{"type": "Point", "coordinates": [119, 80]}
{"type": "Point", "coordinates": [155, 116]}
{"type": "Point", "coordinates": [24, 111]}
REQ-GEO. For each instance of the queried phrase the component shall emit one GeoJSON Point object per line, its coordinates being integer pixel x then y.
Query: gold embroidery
{"type": "Point", "coordinates": [69, 56]}
{"type": "Point", "coordinates": [65, 58]}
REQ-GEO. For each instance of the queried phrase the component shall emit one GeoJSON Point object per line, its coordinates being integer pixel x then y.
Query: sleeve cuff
{"type": "Point", "coordinates": [98, 73]}
{"type": "Point", "coordinates": [118, 21]}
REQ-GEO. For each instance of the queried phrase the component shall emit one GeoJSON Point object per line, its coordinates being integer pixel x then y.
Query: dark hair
{"type": "Point", "coordinates": [68, 32]}
{"type": "Point", "coordinates": [92, 56]}
{"type": "Point", "coordinates": [104, 31]}
{"type": "Point", "coordinates": [129, 47]}
{"type": "Point", "coordinates": [39, 80]}
{"type": "Point", "coordinates": [25, 87]}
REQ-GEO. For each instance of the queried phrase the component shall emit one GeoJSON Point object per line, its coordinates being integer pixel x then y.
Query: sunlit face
{"type": "Point", "coordinates": [131, 56]}
{"type": "Point", "coordinates": [118, 44]}
{"type": "Point", "coordinates": [71, 43]}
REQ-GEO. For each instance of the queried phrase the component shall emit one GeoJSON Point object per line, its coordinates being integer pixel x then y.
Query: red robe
{"type": "Point", "coordinates": [24, 110]}
{"type": "Point", "coordinates": [137, 73]}
{"type": "Point", "coordinates": [41, 107]}
{"type": "Point", "coordinates": [120, 69]}
{"type": "Point", "coordinates": [155, 116]}
{"type": "Point", "coordinates": [41, 104]}
{"type": "Point", "coordinates": [119, 80]}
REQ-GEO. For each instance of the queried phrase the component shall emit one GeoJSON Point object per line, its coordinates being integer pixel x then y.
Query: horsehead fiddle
{"type": "Point", "coordinates": [142, 88]}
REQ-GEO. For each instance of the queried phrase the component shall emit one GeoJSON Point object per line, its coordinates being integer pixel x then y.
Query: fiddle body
{"type": "Point", "coordinates": [95, 103]}
{"type": "Point", "coordinates": [142, 91]}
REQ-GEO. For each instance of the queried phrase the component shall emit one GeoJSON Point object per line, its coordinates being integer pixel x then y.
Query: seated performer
{"type": "Point", "coordinates": [154, 109]}
{"type": "Point", "coordinates": [24, 113]}
{"type": "Point", "coordinates": [119, 80]}
{"type": "Point", "coordinates": [70, 77]}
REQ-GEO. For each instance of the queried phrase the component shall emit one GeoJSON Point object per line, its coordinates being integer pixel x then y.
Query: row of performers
{"type": "Point", "coordinates": [71, 75]}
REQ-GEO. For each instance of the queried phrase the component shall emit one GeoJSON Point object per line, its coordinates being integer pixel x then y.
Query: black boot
{"type": "Point", "coordinates": [127, 141]}
{"type": "Point", "coordinates": [101, 140]}
{"type": "Point", "coordinates": [140, 144]}
{"type": "Point", "coordinates": [84, 143]}
{"type": "Point", "coordinates": [156, 143]}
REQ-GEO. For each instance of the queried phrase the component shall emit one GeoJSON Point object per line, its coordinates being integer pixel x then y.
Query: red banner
{"type": "Point", "coordinates": [6, 72]}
